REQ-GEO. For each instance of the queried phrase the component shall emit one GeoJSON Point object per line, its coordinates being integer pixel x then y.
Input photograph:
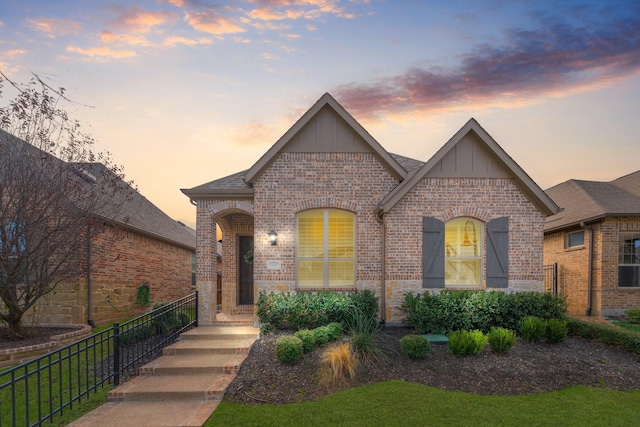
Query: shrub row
{"type": "Point", "coordinates": [451, 310]}
{"type": "Point", "coordinates": [305, 310]}
{"type": "Point", "coordinates": [534, 328]}
{"type": "Point", "coordinates": [633, 314]}
{"type": "Point", "coordinates": [623, 338]}
{"type": "Point", "coordinates": [290, 348]}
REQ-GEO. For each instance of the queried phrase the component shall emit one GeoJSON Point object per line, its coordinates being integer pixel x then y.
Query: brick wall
{"type": "Point", "coordinates": [123, 261]}
{"type": "Point", "coordinates": [447, 198]}
{"type": "Point", "coordinates": [299, 181]}
{"type": "Point", "coordinates": [607, 297]}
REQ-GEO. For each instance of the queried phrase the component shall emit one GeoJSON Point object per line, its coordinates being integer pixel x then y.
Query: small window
{"type": "Point", "coordinates": [629, 261]}
{"type": "Point", "coordinates": [575, 239]}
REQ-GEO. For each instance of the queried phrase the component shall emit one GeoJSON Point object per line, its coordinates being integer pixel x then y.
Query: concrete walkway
{"type": "Point", "coordinates": [181, 388]}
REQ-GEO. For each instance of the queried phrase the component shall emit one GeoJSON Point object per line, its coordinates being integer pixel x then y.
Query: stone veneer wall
{"type": "Point", "coordinates": [607, 297]}
{"type": "Point", "coordinates": [446, 198]}
{"type": "Point", "coordinates": [123, 261]}
{"type": "Point", "coordinates": [295, 182]}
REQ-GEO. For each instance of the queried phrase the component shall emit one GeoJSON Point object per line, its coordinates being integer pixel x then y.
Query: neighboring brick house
{"type": "Point", "coordinates": [345, 214]}
{"type": "Point", "coordinates": [140, 248]}
{"type": "Point", "coordinates": [595, 242]}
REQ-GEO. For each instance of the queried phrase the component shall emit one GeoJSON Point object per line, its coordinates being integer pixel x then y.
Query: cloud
{"type": "Point", "coordinates": [140, 21]}
{"type": "Point", "coordinates": [102, 52]}
{"type": "Point", "coordinates": [13, 53]}
{"type": "Point", "coordinates": [175, 40]}
{"type": "Point", "coordinates": [53, 26]}
{"type": "Point", "coordinates": [212, 22]}
{"type": "Point", "coordinates": [552, 59]}
{"type": "Point", "coordinates": [130, 39]}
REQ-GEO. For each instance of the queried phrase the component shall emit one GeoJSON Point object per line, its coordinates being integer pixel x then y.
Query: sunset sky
{"type": "Point", "coordinates": [183, 92]}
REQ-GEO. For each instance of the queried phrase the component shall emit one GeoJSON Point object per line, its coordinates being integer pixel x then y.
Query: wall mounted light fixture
{"type": "Point", "coordinates": [273, 238]}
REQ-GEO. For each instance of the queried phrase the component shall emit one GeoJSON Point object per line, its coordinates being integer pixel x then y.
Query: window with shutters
{"type": "Point", "coordinates": [463, 252]}
{"type": "Point", "coordinates": [326, 248]}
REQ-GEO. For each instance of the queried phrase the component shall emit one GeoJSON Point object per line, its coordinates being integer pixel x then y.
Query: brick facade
{"type": "Point", "coordinates": [123, 261]}
{"type": "Point", "coordinates": [607, 297]}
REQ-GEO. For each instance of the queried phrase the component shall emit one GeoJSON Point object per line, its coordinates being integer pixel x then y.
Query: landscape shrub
{"type": "Point", "coordinates": [336, 330]}
{"type": "Point", "coordinates": [462, 342]}
{"type": "Point", "coordinates": [532, 329]}
{"type": "Point", "coordinates": [304, 310]}
{"type": "Point", "coordinates": [450, 310]}
{"type": "Point", "coordinates": [501, 340]}
{"type": "Point", "coordinates": [556, 331]}
{"type": "Point", "coordinates": [415, 346]}
{"type": "Point", "coordinates": [320, 335]}
{"type": "Point", "coordinates": [338, 362]}
{"type": "Point", "coordinates": [289, 349]}
{"type": "Point", "coordinates": [363, 330]}
{"type": "Point", "coordinates": [613, 335]}
{"type": "Point", "coordinates": [307, 338]}
{"type": "Point", "coordinates": [633, 314]}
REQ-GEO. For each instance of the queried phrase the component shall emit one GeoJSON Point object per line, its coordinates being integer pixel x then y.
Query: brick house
{"type": "Point", "coordinates": [328, 208]}
{"type": "Point", "coordinates": [140, 249]}
{"type": "Point", "coordinates": [595, 242]}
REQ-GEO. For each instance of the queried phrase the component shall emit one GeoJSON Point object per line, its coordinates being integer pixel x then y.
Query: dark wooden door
{"type": "Point", "coordinates": [245, 271]}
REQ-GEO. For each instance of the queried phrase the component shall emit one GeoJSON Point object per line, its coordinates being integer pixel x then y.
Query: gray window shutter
{"type": "Point", "coordinates": [432, 253]}
{"type": "Point", "coordinates": [498, 253]}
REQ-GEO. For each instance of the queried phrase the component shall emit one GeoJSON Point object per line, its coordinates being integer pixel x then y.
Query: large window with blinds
{"type": "Point", "coordinates": [325, 248]}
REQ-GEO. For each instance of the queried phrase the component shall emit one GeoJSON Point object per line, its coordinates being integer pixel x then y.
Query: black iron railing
{"type": "Point", "coordinates": [37, 391]}
{"type": "Point", "coordinates": [550, 281]}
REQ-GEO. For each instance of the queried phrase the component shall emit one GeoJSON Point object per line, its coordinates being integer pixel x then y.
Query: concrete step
{"type": "Point", "coordinates": [236, 346]}
{"type": "Point", "coordinates": [186, 413]}
{"type": "Point", "coordinates": [172, 387]}
{"type": "Point", "coordinates": [194, 364]}
{"type": "Point", "coordinates": [221, 333]}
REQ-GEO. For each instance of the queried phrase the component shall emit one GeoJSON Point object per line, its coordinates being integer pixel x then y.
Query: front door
{"type": "Point", "coordinates": [245, 270]}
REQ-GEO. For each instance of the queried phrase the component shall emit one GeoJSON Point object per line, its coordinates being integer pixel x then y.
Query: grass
{"type": "Point", "coordinates": [398, 403]}
{"type": "Point", "coordinates": [632, 326]}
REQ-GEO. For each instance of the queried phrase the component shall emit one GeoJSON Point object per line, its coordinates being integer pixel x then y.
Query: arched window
{"type": "Point", "coordinates": [326, 248]}
{"type": "Point", "coordinates": [463, 252]}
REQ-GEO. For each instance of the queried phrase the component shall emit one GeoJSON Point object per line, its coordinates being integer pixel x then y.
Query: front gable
{"type": "Point", "coordinates": [326, 128]}
{"type": "Point", "coordinates": [473, 153]}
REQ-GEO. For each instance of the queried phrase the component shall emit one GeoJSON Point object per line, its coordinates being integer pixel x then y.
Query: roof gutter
{"type": "Point", "coordinates": [590, 267]}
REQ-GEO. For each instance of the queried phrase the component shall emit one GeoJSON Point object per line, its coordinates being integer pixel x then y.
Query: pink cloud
{"type": "Point", "coordinates": [53, 26]}
{"type": "Point", "coordinates": [175, 40]}
{"type": "Point", "coordinates": [212, 22]}
{"type": "Point", "coordinates": [130, 39]}
{"type": "Point", "coordinates": [102, 52]}
{"type": "Point", "coordinates": [140, 21]}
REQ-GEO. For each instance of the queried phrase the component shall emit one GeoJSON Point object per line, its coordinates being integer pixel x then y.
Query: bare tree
{"type": "Point", "coordinates": [55, 195]}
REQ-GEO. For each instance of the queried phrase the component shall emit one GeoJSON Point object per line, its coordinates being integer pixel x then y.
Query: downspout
{"type": "Point", "coordinates": [89, 280]}
{"type": "Point", "coordinates": [383, 301]}
{"type": "Point", "coordinates": [590, 267]}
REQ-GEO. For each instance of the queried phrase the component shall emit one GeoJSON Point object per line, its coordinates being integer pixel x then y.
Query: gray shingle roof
{"type": "Point", "coordinates": [228, 186]}
{"type": "Point", "coordinates": [584, 201]}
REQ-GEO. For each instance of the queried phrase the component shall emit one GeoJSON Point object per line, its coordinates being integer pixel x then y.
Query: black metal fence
{"type": "Point", "coordinates": [37, 391]}
{"type": "Point", "coordinates": [550, 279]}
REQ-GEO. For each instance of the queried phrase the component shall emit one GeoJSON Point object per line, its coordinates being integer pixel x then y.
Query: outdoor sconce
{"type": "Point", "coordinates": [273, 238]}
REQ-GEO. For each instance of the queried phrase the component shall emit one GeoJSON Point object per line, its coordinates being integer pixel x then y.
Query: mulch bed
{"type": "Point", "coordinates": [525, 369]}
{"type": "Point", "coordinates": [36, 335]}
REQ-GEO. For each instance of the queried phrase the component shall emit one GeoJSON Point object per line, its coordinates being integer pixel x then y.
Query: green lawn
{"type": "Point", "coordinates": [632, 326]}
{"type": "Point", "coordinates": [398, 403]}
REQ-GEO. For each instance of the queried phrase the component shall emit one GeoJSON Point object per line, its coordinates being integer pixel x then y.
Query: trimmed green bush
{"type": "Point", "coordinates": [304, 310]}
{"type": "Point", "coordinates": [532, 329]}
{"type": "Point", "coordinates": [614, 335]}
{"type": "Point", "coordinates": [450, 310]}
{"type": "Point", "coordinates": [462, 343]}
{"type": "Point", "coordinates": [633, 314]}
{"type": "Point", "coordinates": [321, 335]}
{"type": "Point", "coordinates": [415, 346]}
{"type": "Point", "coordinates": [289, 349]}
{"type": "Point", "coordinates": [556, 331]}
{"type": "Point", "coordinates": [307, 338]}
{"type": "Point", "coordinates": [336, 330]}
{"type": "Point", "coordinates": [501, 340]}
